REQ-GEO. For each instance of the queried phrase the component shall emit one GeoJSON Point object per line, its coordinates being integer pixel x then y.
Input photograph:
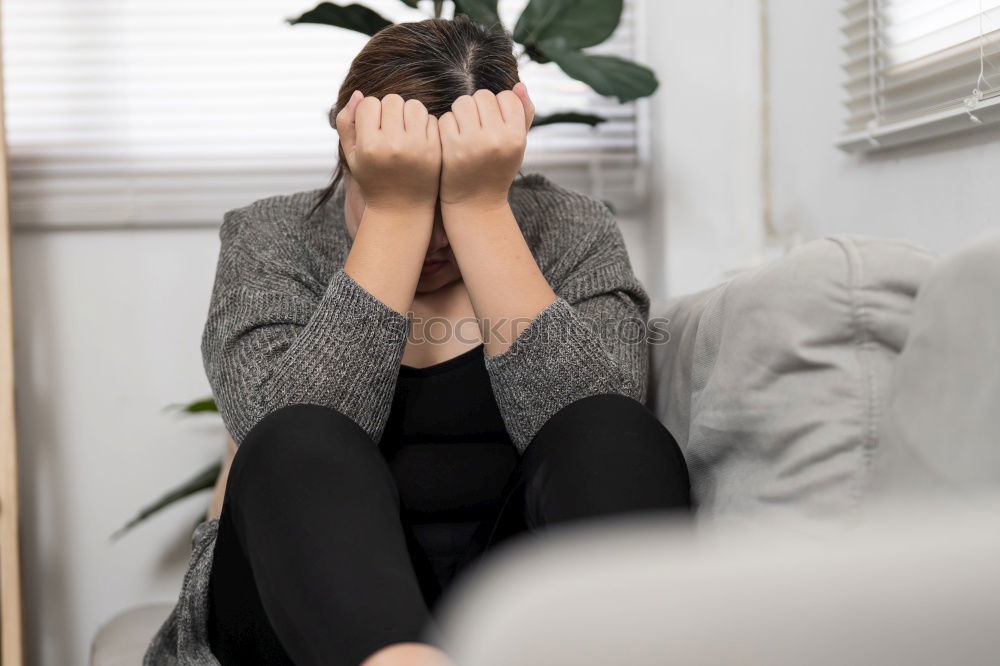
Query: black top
{"type": "Point", "coordinates": [446, 442]}
{"type": "Point", "coordinates": [451, 458]}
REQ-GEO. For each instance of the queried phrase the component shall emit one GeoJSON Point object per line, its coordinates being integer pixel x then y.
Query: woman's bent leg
{"type": "Point", "coordinates": [604, 455]}
{"type": "Point", "coordinates": [311, 563]}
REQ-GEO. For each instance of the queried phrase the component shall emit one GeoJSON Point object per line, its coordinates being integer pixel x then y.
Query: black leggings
{"type": "Point", "coordinates": [313, 562]}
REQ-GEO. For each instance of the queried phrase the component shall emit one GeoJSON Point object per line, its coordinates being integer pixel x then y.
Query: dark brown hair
{"type": "Point", "coordinates": [434, 61]}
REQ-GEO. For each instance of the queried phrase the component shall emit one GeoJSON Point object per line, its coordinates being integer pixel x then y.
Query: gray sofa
{"type": "Point", "coordinates": [775, 382]}
{"type": "Point", "coordinates": [840, 411]}
{"type": "Point", "coordinates": [799, 390]}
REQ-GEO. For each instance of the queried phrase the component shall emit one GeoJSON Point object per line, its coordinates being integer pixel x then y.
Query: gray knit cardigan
{"type": "Point", "coordinates": [287, 325]}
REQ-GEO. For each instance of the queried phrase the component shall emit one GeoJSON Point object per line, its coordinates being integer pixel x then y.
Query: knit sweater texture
{"type": "Point", "coordinates": [287, 325]}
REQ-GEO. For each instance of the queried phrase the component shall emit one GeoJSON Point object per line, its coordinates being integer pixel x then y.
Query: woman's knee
{"type": "Point", "coordinates": [302, 442]}
{"type": "Point", "coordinates": [604, 425]}
{"type": "Point", "coordinates": [606, 444]}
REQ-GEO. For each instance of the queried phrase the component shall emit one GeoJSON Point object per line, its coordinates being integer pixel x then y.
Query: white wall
{"type": "Point", "coordinates": [107, 333]}
{"type": "Point", "coordinates": [938, 194]}
{"type": "Point", "coordinates": [706, 205]}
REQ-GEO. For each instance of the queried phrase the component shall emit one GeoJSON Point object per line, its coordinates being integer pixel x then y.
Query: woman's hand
{"type": "Point", "coordinates": [393, 150]}
{"type": "Point", "coordinates": [482, 141]}
{"type": "Point", "coordinates": [394, 153]}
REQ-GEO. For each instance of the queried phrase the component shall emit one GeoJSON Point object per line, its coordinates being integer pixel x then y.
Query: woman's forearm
{"type": "Point", "coordinates": [505, 285]}
{"type": "Point", "coordinates": [388, 251]}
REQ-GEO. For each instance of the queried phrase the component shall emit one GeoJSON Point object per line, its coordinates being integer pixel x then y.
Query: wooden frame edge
{"type": "Point", "coordinates": [11, 630]}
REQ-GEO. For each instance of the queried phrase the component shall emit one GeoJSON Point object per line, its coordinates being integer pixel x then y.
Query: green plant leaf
{"type": "Point", "coordinates": [581, 23]}
{"type": "Point", "coordinates": [483, 12]}
{"type": "Point", "coordinates": [567, 117]}
{"type": "Point", "coordinates": [203, 480]}
{"type": "Point", "coordinates": [536, 55]}
{"type": "Point", "coordinates": [198, 406]}
{"type": "Point", "coordinates": [411, 3]}
{"type": "Point", "coordinates": [607, 75]}
{"type": "Point", "coordinates": [352, 17]}
{"type": "Point", "coordinates": [194, 407]}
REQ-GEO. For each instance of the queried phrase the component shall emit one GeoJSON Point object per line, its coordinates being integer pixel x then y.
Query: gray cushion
{"type": "Point", "coordinates": [940, 432]}
{"type": "Point", "coordinates": [773, 382]}
{"type": "Point", "coordinates": [122, 640]}
{"type": "Point", "coordinates": [912, 588]}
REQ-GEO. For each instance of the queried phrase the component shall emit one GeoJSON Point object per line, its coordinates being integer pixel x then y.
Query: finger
{"type": "Point", "coordinates": [392, 114]}
{"type": "Point", "coordinates": [448, 128]}
{"type": "Point", "coordinates": [521, 91]}
{"type": "Point", "coordinates": [433, 130]}
{"type": "Point", "coordinates": [345, 122]}
{"type": "Point", "coordinates": [489, 110]}
{"type": "Point", "coordinates": [414, 115]}
{"type": "Point", "coordinates": [511, 108]}
{"type": "Point", "coordinates": [434, 135]}
{"type": "Point", "coordinates": [366, 117]}
{"type": "Point", "coordinates": [466, 113]}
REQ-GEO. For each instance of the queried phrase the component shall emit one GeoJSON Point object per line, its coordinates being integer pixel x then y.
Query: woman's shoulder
{"type": "Point", "coordinates": [278, 216]}
{"type": "Point", "coordinates": [551, 215]}
{"type": "Point", "coordinates": [539, 187]}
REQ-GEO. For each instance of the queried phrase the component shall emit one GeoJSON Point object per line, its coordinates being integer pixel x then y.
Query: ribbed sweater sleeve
{"type": "Point", "coordinates": [590, 340]}
{"type": "Point", "coordinates": [277, 336]}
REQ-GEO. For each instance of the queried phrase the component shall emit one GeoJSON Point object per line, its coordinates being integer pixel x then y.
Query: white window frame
{"type": "Point", "coordinates": [868, 40]}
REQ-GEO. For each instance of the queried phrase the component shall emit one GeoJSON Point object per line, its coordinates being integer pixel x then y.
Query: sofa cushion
{"type": "Point", "coordinates": [773, 382]}
{"type": "Point", "coordinates": [940, 430]}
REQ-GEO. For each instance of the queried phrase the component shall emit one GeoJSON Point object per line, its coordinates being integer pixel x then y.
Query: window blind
{"type": "Point", "coordinates": [919, 68]}
{"type": "Point", "coordinates": [140, 112]}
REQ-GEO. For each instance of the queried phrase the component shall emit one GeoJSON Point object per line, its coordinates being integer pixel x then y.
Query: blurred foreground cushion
{"type": "Point", "coordinates": [774, 382]}
{"type": "Point", "coordinates": [914, 586]}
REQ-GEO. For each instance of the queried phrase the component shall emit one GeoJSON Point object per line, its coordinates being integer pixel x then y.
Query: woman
{"type": "Point", "coordinates": [419, 362]}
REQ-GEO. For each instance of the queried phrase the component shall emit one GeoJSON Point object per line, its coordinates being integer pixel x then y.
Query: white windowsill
{"type": "Point", "coordinates": [925, 127]}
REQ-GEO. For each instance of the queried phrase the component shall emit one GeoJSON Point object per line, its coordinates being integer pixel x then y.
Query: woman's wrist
{"type": "Point", "coordinates": [474, 209]}
{"type": "Point", "coordinates": [387, 253]}
{"type": "Point", "coordinates": [506, 287]}
{"type": "Point", "coordinates": [413, 212]}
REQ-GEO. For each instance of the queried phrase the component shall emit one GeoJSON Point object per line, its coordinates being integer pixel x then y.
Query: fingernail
{"type": "Point", "coordinates": [356, 94]}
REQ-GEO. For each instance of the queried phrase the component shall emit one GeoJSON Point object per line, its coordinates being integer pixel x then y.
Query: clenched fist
{"type": "Point", "coordinates": [393, 151]}
{"type": "Point", "coordinates": [483, 139]}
